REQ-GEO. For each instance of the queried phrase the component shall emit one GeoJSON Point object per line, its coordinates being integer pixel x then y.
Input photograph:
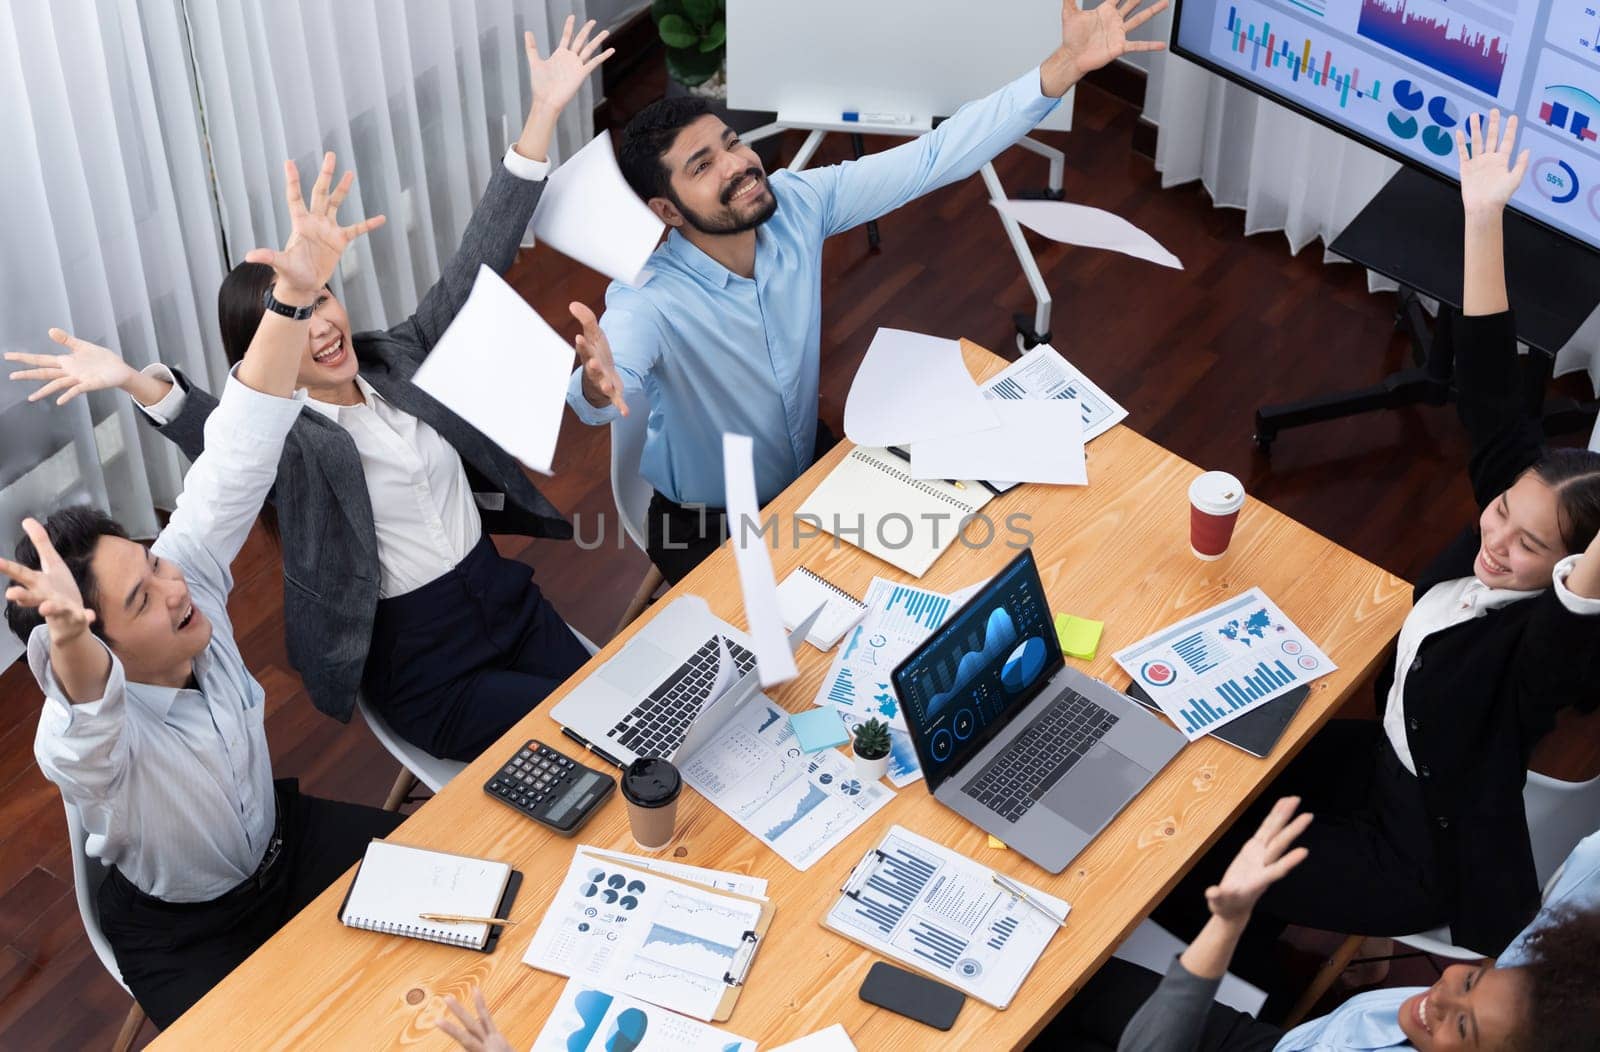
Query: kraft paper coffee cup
{"type": "Point", "coordinates": [1214, 502]}
{"type": "Point", "coordinates": [651, 786]}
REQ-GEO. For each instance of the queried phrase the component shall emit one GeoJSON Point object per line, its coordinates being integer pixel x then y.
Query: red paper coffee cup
{"type": "Point", "coordinates": [1214, 502]}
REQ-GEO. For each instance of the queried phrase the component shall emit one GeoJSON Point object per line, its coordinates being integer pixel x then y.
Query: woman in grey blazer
{"type": "Point", "coordinates": [384, 499]}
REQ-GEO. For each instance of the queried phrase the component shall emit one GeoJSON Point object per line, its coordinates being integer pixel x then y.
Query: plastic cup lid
{"type": "Point", "coordinates": [651, 782]}
{"type": "Point", "coordinates": [1217, 493]}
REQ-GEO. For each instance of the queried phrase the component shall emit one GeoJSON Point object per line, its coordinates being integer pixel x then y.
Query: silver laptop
{"type": "Point", "coordinates": [669, 688]}
{"type": "Point", "coordinates": [1038, 754]}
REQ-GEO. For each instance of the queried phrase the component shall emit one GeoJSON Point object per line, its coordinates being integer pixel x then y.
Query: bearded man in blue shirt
{"type": "Point", "coordinates": [724, 332]}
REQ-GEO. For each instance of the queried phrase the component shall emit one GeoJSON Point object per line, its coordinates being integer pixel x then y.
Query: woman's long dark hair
{"type": "Point", "coordinates": [1575, 476]}
{"type": "Point", "coordinates": [239, 312]}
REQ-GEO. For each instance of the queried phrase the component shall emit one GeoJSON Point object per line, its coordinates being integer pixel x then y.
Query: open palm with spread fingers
{"type": "Point", "coordinates": [474, 1034]}
{"type": "Point", "coordinates": [85, 367]}
{"type": "Point", "coordinates": [594, 351]}
{"type": "Point", "coordinates": [555, 80]}
{"type": "Point", "coordinates": [1262, 862]}
{"type": "Point", "coordinates": [51, 588]}
{"type": "Point", "coordinates": [1095, 37]}
{"type": "Point", "coordinates": [316, 241]}
{"type": "Point", "coordinates": [1488, 176]}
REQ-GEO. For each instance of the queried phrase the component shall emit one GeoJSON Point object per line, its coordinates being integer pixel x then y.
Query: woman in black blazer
{"type": "Point", "coordinates": [385, 500]}
{"type": "Point", "coordinates": [1420, 819]}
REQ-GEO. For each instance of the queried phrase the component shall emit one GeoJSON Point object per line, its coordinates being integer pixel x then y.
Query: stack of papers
{"type": "Point", "coordinates": [914, 390]}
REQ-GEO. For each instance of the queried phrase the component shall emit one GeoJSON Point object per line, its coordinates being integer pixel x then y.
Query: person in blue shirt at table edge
{"type": "Point", "coordinates": [724, 334]}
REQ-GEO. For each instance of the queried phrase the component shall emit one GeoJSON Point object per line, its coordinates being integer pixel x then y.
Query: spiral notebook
{"type": "Point", "coordinates": [396, 883]}
{"type": "Point", "coordinates": [870, 501]}
{"type": "Point", "coordinates": [803, 591]}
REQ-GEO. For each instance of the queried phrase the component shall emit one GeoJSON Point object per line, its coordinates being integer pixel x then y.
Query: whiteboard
{"type": "Point", "coordinates": [811, 60]}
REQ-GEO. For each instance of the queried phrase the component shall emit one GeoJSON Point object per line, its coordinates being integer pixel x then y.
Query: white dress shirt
{"type": "Point", "coordinates": [1447, 604]}
{"type": "Point", "coordinates": [175, 786]}
{"type": "Point", "coordinates": [422, 506]}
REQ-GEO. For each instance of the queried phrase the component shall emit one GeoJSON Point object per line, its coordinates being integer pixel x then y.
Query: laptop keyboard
{"type": "Point", "coordinates": [1038, 757]}
{"type": "Point", "coordinates": [659, 722]}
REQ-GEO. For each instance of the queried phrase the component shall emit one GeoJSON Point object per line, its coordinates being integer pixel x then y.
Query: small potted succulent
{"type": "Point", "coordinates": [872, 749]}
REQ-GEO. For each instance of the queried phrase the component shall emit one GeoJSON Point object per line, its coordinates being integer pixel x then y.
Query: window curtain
{"type": "Point", "coordinates": [146, 146]}
{"type": "Point", "coordinates": [1285, 171]}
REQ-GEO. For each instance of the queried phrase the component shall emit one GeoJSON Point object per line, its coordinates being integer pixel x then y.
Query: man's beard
{"type": "Point", "coordinates": [727, 222]}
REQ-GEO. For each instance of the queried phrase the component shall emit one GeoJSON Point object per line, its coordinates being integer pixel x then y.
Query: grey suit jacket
{"type": "Point", "coordinates": [330, 547]}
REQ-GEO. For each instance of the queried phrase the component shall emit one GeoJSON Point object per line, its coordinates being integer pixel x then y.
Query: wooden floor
{"type": "Point", "coordinates": [1191, 354]}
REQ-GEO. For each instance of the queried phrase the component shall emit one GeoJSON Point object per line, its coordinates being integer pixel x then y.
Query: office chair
{"type": "Point", "coordinates": [87, 876]}
{"type": "Point", "coordinates": [632, 495]}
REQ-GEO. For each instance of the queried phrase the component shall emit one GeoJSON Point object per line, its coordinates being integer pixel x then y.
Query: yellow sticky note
{"type": "Point", "coordinates": [996, 843]}
{"type": "Point", "coordinates": [1079, 636]}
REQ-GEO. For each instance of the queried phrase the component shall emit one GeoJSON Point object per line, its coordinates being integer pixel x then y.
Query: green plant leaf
{"type": "Point", "coordinates": [703, 12]}
{"type": "Point", "coordinates": [660, 9]}
{"type": "Point", "coordinates": [691, 66]}
{"type": "Point", "coordinates": [715, 37]}
{"type": "Point", "coordinates": [677, 32]}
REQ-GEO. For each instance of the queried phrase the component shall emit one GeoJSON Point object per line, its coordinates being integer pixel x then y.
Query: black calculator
{"type": "Point", "coordinates": [550, 788]}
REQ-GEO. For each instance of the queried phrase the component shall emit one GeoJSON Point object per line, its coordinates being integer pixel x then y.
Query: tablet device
{"type": "Point", "coordinates": [1257, 731]}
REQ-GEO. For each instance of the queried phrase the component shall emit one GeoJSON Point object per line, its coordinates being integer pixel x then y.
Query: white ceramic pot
{"type": "Point", "coordinates": [872, 770]}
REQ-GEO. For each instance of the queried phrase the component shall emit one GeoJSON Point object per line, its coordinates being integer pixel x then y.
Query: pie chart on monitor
{"type": "Point", "coordinates": [1023, 665]}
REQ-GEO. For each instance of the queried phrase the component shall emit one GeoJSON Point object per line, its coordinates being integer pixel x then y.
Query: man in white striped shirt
{"type": "Point", "coordinates": [152, 726]}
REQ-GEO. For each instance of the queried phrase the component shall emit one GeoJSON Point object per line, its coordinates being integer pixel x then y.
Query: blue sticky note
{"type": "Point", "coordinates": [821, 728]}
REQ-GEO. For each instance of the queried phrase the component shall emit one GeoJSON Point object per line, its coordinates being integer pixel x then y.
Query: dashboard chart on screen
{"type": "Point", "coordinates": [1403, 75]}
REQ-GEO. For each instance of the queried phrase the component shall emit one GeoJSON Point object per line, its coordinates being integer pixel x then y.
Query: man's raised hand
{"type": "Point", "coordinates": [594, 352]}
{"type": "Point", "coordinates": [51, 589]}
{"type": "Point", "coordinates": [1091, 39]}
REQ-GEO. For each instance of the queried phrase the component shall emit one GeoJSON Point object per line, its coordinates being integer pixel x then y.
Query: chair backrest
{"type": "Point", "coordinates": [1559, 815]}
{"type": "Point", "coordinates": [629, 489]}
{"type": "Point", "coordinates": [87, 876]}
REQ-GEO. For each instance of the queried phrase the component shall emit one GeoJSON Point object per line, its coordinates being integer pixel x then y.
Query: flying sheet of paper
{"type": "Point", "coordinates": [502, 369]}
{"type": "Point", "coordinates": [910, 387]}
{"type": "Point", "coordinates": [768, 639]}
{"type": "Point", "coordinates": [591, 1018]}
{"type": "Point", "coordinates": [1035, 442]}
{"type": "Point", "coordinates": [1073, 224]}
{"type": "Point", "coordinates": [589, 212]}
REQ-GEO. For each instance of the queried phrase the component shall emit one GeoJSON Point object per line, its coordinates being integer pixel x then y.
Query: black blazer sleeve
{"type": "Point", "coordinates": [1506, 440]}
{"type": "Point", "coordinates": [1557, 665]}
{"type": "Point", "coordinates": [188, 428]}
{"type": "Point", "coordinates": [491, 239]}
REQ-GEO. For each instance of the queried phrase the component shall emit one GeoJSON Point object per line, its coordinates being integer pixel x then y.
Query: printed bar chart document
{"type": "Point", "coordinates": [591, 1018]}
{"type": "Point", "coordinates": [943, 914]}
{"type": "Point", "coordinates": [1224, 662]}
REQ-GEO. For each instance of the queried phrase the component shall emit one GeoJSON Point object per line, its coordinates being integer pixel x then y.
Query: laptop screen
{"type": "Point", "coordinates": [974, 674]}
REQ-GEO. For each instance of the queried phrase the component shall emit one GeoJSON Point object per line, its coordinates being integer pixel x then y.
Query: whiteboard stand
{"type": "Point", "coordinates": [1030, 332]}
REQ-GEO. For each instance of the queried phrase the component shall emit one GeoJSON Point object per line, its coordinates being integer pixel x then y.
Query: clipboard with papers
{"type": "Point", "coordinates": [674, 941]}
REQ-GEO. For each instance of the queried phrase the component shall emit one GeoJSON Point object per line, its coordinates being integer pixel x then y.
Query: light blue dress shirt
{"type": "Point", "coordinates": [175, 786]}
{"type": "Point", "coordinates": [714, 352]}
{"type": "Point", "coordinates": [1578, 886]}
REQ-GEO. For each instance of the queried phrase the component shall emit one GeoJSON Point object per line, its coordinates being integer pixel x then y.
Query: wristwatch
{"type": "Point", "coordinates": [271, 303]}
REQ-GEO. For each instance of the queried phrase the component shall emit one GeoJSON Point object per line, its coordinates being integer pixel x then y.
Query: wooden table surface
{"type": "Point", "coordinates": [1117, 551]}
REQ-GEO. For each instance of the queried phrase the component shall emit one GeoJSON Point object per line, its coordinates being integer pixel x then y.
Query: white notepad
{"type": "Point", "coordinates": [871, 501]}
{"type": "Point", "coordinates": [396, 883]}
{"type": "Point", "coordinates": [803, 591]}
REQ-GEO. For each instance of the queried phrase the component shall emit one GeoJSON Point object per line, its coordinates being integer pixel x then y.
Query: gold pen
{"type": "Point", "coordinates": [1061, 922]}
{"type": "Point", "coordinates": [456, 918]}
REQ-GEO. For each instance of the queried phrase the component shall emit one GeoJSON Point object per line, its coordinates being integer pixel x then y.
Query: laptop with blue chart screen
{"type": "Point", "coordinates": [1036, 753]}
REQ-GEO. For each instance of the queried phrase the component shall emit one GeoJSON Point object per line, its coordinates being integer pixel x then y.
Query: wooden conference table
{"type": "Point", "coordinates": [1116, 551]}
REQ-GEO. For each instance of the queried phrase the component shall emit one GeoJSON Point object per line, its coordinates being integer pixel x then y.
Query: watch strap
{"type": "Point", "coordinates": [273, 304]}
